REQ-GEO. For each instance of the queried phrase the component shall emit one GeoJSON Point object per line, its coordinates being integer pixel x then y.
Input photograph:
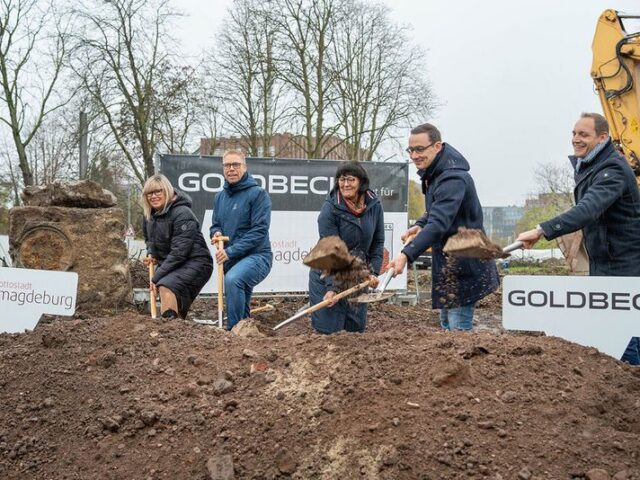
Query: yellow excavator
{"type": "Point", "coordinates": [616, 75]}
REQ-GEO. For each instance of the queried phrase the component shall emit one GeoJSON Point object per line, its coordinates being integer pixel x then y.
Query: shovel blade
{"type": "Point", "coordinates": [204, 321]}
{"type": "Point", "coordinates": [372, 297]}
{"type": "Point", "coordinates": [384, 281]}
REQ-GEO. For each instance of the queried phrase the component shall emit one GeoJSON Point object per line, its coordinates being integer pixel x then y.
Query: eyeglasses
{"type": "Point", "coordinates": [418, 149]}
{"type": "Point", "coordinates": [234, 165]}
{"type": "Point", "coordinates": [347, 180]}
{"type": "Point", "coordinates": [155, 193]}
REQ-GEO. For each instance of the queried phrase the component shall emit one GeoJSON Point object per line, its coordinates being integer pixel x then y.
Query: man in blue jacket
{"type": "Point", "coordinates": [451, 202]}
{"type": "Point", "coordinates": [242, 212]}
{"type": "Point", "coordinates": [607, 208]}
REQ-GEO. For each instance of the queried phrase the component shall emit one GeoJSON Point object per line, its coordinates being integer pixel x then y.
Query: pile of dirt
{"type": "Point", "coordinates": [473, 243]}
{"type": "Point", "coordinates": [127, 397]}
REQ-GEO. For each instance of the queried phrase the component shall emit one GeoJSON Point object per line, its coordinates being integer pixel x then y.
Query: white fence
{"type": "Point", "coordinates": [537, 255]}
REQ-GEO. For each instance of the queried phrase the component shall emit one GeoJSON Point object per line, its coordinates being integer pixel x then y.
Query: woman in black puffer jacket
{"type": "Point", "coordinates": [175, 243]}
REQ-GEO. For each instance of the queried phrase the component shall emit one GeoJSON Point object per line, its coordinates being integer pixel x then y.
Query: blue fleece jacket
{"type": "Point", "coordinates": [242, 212]}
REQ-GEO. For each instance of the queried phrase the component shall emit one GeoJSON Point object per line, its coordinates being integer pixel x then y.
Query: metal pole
{"type": "Point", "coordinates": [84, 157]}
{"type": "Point", "coordinates": [128, 205]}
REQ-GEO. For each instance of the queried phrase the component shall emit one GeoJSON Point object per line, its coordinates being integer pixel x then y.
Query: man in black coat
{"type": "Point", "coordinates": [451, 202]}
{"type": "Point", "coordinates": [607, 208]}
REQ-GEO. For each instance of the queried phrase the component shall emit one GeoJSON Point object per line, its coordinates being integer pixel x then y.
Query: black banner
{"type": "Point", "coordinates": [293, 185]}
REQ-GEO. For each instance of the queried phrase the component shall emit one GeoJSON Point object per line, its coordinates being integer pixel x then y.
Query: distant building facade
{"type": "Point", "coordinates": [500, 222]}
{"type": "Point", "coordinates": [560, 200]}
{"type": "Point", "coordinates": [282, 145]}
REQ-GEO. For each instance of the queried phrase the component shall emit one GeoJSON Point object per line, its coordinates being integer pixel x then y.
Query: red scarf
{"type": "Point", "coordinates": [353, 206]}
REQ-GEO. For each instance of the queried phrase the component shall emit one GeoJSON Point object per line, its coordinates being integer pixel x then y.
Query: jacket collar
{"type": "Point", "coordinates": [447, 159]}
{"type": "Point", "coordinates": [336, 198]}
{"type": "Point", "coordinates": [579, 163]}
{"type": "Point", "coordinates": [607, 151]}
{"type": "Point", "coordinates": [247, 181]}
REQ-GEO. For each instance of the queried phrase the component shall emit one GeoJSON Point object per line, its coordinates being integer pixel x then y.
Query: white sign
{"type": "Point", "coordinates": [27, 294]}
{"type": "Point", "coordinates": [293, 235]}
{"type": "Point", "coordinates": [601, 312]}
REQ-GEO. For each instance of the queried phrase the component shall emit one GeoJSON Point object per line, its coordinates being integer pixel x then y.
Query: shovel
{"type": "Point", "coordinates": [378, 295]}
{"type": "Point", "coordinates": [324, 303]}
{"type": "Point", "coordinates": [473, 243]}
{"type": "Point", "coordinates": [219, 242]}
{"type": "Point", "coordinates": [152, 291]}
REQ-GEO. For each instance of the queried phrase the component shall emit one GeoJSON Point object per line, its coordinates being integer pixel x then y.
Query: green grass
{"type": "Point", "coordinates": [539, 270]}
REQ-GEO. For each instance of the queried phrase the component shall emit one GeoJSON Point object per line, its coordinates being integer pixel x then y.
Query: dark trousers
{"type": "Point", "coordinates": [632, 353]}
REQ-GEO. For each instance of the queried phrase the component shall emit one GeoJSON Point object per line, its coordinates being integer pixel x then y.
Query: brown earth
{"type": "Point", "coordinates": [127, 397]}
{"type": "Point", "coordinates": [87, 241]}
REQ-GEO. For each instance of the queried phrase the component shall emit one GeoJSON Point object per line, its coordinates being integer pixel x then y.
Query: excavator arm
{"type": "Point", "coordinates": [616, 74]}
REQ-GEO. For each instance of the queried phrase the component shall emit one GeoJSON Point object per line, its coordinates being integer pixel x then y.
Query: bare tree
{"type": "Point", "coordinates": [554, 195]}
{"type": "Point", "coordinates": [53, 149]}
{"type": "Point", "coordinates": [378, 85]}
{"type": "Point", "coordinates": [306, 32]}
{"type": "Point", "coordinates": [121, 49]}
{"type": "Point", "coordinates": [33, 48]}
{"type": "Point", "coordinates": [338, 74]}
{"type": "Point", "coordinates": [180, 108]}
{"type": "Point", "coordinates": [555, 183]}
{"type": "Point", "coordinates": [249, 88]}
{"type": "Point", "coordinates": [211, 118]}
{"type": "Point", "coordinates": [9, 175]}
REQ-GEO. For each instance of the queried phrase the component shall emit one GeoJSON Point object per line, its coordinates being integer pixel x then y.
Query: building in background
{"type": "Point", "coordinates": [500, 223]}
{"type": "Point", "coordinates": [282, 145]}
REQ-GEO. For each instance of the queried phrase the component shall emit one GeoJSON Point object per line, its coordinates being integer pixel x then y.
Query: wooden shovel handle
{"type": "Point", "coordinates": [265, 308]}
{"type": "Point", "coordinates": [152, 291]}
{"type": "Point", "coordinates": [219, 243]}
{"type": "Point", "coordinates": [323, 304]}
{"type": "Point", "coordinates": [220, 238]}
{"type": "Point", "coordinates": [337, 297]}
{"type": "Point", "coordinates": [409, 238]}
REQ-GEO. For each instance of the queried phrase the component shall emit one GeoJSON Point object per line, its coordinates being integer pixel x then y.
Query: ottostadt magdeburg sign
{"type": "Point", "coordinates": [25, 295]}
{"type": "Point", "coordinates": [601, 312]}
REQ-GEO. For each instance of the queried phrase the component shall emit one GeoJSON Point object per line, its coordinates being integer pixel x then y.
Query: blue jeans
{"type": "Point", "coordinates": [632, 353]}
{"type": "Point", "coordinates": [458, 318]}
{"type": "Point", "coordinates": [351, 317]}
{"type": "Point", "coordinates": [238, 286]}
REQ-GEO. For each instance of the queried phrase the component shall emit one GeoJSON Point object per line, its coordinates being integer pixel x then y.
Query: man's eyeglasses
{"type": "Point", "coordinates": [154, 193]}
{"type": "Point", "coordinates": [347, 180]}
{"type": "Point", "coordinates": [234, 165]}
{"type": "Point", "coordinates": [418, 149]}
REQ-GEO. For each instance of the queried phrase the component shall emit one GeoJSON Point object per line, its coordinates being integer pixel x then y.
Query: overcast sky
{"type": "Point", "coordinates": [512, 77]}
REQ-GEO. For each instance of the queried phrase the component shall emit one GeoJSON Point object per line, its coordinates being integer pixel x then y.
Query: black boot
{"type": "Point", "coordinates": [170, 314]}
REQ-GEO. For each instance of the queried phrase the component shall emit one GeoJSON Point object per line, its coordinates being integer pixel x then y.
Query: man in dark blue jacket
{"type": "Point", "coordinates": [451, 202]}
{"type": "Point", "coordinates": [242, 212]}
{"type": "Point", "coordinates": [607, 208]}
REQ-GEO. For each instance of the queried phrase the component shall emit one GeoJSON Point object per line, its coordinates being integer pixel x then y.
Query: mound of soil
{"type": "Point", "coordinates": [127, 397]}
